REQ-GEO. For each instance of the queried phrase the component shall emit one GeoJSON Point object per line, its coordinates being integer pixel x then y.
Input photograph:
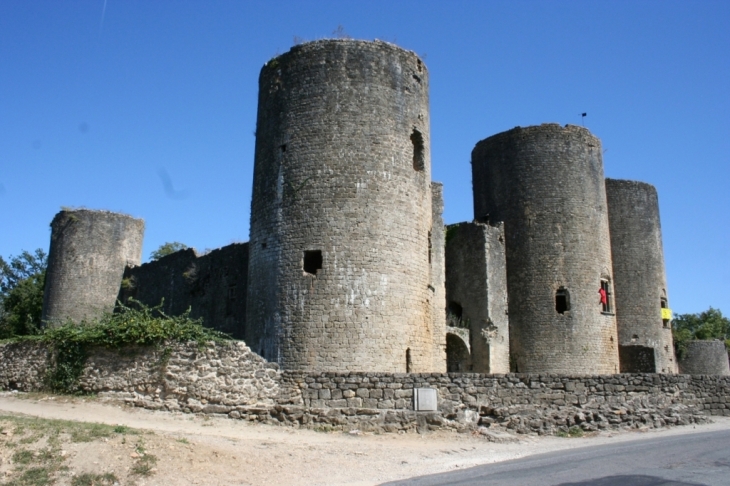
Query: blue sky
{"type": "Point", "coordinates": [98, 97]}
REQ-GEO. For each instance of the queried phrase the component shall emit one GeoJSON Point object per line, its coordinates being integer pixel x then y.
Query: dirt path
{"type": "Point", "coordinates": [219, 451]}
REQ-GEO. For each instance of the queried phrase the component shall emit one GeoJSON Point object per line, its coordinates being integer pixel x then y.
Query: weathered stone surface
{"type": "Point", "coordinates": [89, 251]}
{"type": "Point", "coordinates": [546, 184]}
{"type": "Point", "coordinates": [639, 278]}
{"type": "Point", "coordinates": [705, 358]}
{"type": "Point", "coordinates": [231, 379]}
{"type": "Point", "coordinates": [213, 286]}
{"type": "Point", "coordinates": [341, 211]}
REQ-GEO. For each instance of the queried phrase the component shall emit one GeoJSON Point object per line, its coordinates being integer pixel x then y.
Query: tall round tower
{"type": "Point", "coordinates": [639, 277]}
{"type": "Point", "coordinates": [339, 273]}
{"type": "Point", "coordinates": [89, 251]}
{"type": "Point", "coordinates": [546, 184]}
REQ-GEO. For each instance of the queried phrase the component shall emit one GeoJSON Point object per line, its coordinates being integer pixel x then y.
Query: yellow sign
{"type": "Point", "coordinates": [666, 314]}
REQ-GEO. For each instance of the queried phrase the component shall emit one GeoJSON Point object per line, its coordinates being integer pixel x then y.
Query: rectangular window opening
{"type": "Point", "coordinates": [312, 261]}
{"type": "Point", "coordinates": [562, 300]}
{"type": "Point", "coordinates": [606, 296]}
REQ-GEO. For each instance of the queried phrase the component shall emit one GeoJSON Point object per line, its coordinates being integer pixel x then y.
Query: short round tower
{"type": "Point", "coordinates": [339, 272]}
{"type": "Point", "coordinates": [639, 278]}
{"type": "Point", "coordinates": [88, 254]}
{"type": "Point", "coordinates": [705, 358]}
{"type": "Point", "coordinates": [546, 184]}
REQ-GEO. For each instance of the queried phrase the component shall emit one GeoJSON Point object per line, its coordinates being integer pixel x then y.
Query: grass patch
{"type": "Point", "coordinates": [23, 456]}
{"type": "Point", "coordinates": [40, 460]}
{"type": "Point", "coordinates": [143, 466]}
{"type": "Point", "coordinates": [572, 432]}
{"type": "Point", "coordinates": [88, 479]}
{"type": "Point", "coordinates": [35, 476]}
{"type": "Point", "coordinates": [183, 441]}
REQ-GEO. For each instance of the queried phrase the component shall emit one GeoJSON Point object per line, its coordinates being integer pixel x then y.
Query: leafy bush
{"type": "Point", "coordinates": [706, 325]}
{"type": "Point", "coordinates": [167, 249]}
{"type": "Point", "coordinates": [22, 280]}
{"type": "Point", "coordinates": [137, 325]}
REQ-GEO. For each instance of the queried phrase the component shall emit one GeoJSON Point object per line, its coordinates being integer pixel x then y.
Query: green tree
{"type": "Point", "coordinates": [167, 249]}
{"type": "Point", "coordinates": [22, 279]}
{"type": "Point", "coordinates": [710, 324]}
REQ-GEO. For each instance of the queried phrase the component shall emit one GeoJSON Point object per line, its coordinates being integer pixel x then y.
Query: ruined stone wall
{"type": "Point", "coordinates": [705, 358]}
{"type": "Point", "coordinates": [213, 286]}
{"type": "Point", "coordinates": [88, 254]}
{"type": "Point", "coordinates": [175, 376]}
{"type": "Point", "coordinates": [546, 184]}
{"type": "Point", "coordinates": [640, 283]}
{"type": "Point", "coordinates": [230, 379]}
{"type": "Point", "coordinates": [477, 283]}
{"type": "Point", "coordinates": [438, 277]}
{"type": "Point", "coordinates": [341, 209]}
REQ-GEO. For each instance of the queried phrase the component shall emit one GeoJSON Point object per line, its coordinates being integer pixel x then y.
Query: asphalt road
{"type": "Point", "coordinates": [681, 460]}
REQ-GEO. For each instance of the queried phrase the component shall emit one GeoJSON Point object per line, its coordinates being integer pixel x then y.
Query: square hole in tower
{"type": "Point", "coordinates": [312, 261]}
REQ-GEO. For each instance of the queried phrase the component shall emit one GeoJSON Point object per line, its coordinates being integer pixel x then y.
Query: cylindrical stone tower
{"type": "Point", "coordinates": [89, 251]}
{"type": "Point", "coordinates": [639, 278]}
{"type": "Point", "coordinates": [546, 184]}
{"type": "Point", "coordinates": [705, 358]}
{"type": "Point", "coordinates": [341, 210]}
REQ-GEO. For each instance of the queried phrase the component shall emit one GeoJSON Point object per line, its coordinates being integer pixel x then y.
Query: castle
{"type": "Point", "coordinates": [349, 266]}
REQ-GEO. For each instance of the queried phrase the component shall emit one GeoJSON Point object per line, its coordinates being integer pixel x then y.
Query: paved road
{"type": "Point", "coordinates": [682, 460]}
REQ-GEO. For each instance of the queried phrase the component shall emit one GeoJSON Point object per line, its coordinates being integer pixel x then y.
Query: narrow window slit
{"type": "Point", "coordinates": [419, 157]}
{"type": "Point", "coordinates": [562, 300]}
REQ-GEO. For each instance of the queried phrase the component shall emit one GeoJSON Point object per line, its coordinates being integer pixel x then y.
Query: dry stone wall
{"type": "Point", "coordinates": [230, 379]}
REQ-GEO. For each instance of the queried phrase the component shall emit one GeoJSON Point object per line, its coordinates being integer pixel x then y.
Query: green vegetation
{"type": "Point", "coordinates": [138, 325]}
{"type": "Point", "coordinates": [167, 249]}
{"type": "Point", "coordinates": [22, 279]}
{"type": "Point", "coordinates": [88, 479]}
{"type": "Point", "coordinates": [40, 463]}
{"type": "Point", "coordinates": [709, 324]}
{"type": "Point", "coordinates": [572, 432]}
{"type": "Point", "coordinates": [145, 461]}
{"type": "Point", "coordinates": [451, 231]}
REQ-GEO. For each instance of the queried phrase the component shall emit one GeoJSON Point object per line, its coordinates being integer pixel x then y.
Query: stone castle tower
{"type": "Point", "coordinates": [546, 184]}
{"type": "Point", "coordinates": [645, 338]}
{"type": "Point", "coordinates": [339, 266]}
{"type": "Point", "coordinates": [89, 252]}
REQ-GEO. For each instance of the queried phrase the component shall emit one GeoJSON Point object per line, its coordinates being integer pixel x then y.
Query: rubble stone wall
{"type": "Point", "coordinates": [231, 379]}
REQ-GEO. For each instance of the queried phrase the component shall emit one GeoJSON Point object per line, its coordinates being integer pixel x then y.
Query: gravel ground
{"type": "Point", "coordinates": [188, 449]}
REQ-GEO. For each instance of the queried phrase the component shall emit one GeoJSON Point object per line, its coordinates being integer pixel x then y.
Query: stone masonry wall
{"type": "Point", "coordinates": [706, 358]}
{"type": "Point", "coordinates": [640, 283]}
{"type": "Point", "coordinates": [178, 376]}
{"type": "Point", "coordinates": [88, 254]}
{"type": "Point", "coordinates": [546, 184]}
{"type": "Point", "coordinates": [213, 286]}
{"type": "Point", "coordinates": [341, 210]}
{"type": "Point", "coordinates": [230, 379]}
{"type": "Point", "coordinates": [437, 259]}
{"type": "Point", "coordinates": [477, 282]}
